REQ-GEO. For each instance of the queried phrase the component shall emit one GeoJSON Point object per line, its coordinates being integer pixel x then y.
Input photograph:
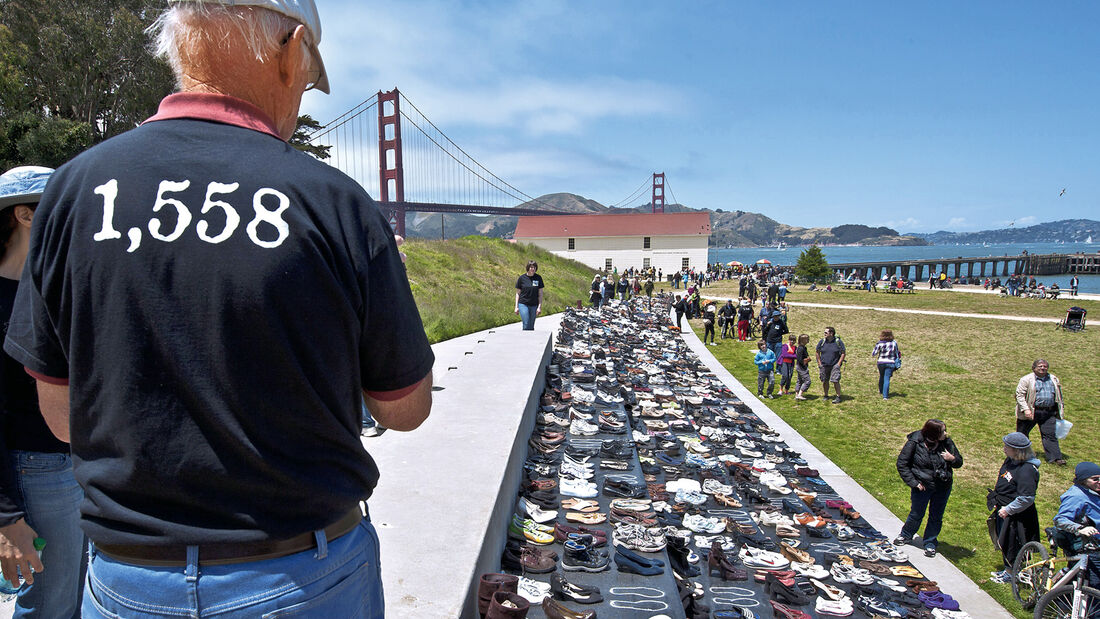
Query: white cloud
{"type": "Point", "coordinates": [956, 222]}
{"type": "Point", "coordinates": [1030, 220]}
{"type": "Point", "coordinates": [909, 223]}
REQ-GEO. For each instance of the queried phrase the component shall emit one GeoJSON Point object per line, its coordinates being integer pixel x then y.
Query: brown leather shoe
{"type": "Point", "coordinates": [490, 584]}
{"type": "Point", "coordinates": [554, 610]}
{"type": "Point", "coordinates": [507, 606]}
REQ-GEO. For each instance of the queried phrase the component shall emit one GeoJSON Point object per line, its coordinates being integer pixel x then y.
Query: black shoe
{"type": "Point", "coordinates": [562, 589]}
{"type": "Point", "coordinates": [929, 551]}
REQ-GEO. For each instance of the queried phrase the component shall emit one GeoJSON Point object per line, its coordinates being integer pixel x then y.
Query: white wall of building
{"type": "Point", "coordinates": [665, 253]}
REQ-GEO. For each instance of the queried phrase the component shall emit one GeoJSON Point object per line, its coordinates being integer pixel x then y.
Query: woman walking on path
{"type": "Point", "coordinates": [787, 355]}
{"type": "Point", "coordinates": [889, 359]}
{"type": "Point", "coordinates": [926, 464]}
{"type": "Point", "coordinates": [802, 366]}
{"type": "Point", "coordinates": [1013, 497]}
{"type": "Point", "coordinates": [529, 295]}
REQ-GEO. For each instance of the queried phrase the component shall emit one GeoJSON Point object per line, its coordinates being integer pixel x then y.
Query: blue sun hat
{"type": "Point", "coordinates": [23, 185]}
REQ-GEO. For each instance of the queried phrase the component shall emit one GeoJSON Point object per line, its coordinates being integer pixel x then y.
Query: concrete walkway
{"type": "Point", "coordinates": [971, 599]}
{"type": "Point", "coordinates": [928, 312]}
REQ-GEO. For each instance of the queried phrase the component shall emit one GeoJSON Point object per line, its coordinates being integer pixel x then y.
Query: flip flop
{"type": "Point", "coordinates": [907, 571]}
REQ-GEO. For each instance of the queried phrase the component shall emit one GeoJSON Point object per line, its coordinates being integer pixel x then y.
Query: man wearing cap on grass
{"type": "Point", "coordinates": [215, 305]}
{"type": "Point", "coordinates": [39, 497]}
{"type": "Point", "coordinates": [1013, 497]}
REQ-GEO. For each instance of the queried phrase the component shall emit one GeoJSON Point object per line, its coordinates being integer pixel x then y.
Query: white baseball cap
{"type": "Point", "coordinates": [302, 11]}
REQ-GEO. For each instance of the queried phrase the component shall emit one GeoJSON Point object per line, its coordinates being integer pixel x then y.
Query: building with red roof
{"type": "Point", "coordinates": [666, 241]}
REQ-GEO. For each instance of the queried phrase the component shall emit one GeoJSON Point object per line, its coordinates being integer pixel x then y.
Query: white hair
{"type": "Point", "coordinates": [188, 24]}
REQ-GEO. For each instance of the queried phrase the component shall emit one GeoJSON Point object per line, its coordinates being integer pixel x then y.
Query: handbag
{"type": "Point", "coordinates": [1062, 428]}
{"type": "Point", "coordinates": [897, 363]}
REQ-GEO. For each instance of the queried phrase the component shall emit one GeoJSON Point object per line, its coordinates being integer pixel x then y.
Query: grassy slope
{"type": "Point", "coordinates": [468, 284]}
{"type": "Point", "coordinates": [963, 371]}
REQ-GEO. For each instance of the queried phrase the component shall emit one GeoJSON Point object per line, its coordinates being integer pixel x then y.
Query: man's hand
{"type": "Point", "coordinates": [1029, 414]}
{"type": "Point", "coordinates": [516, 311]}
{"type": "Point", "coordinates": [538, 310]}
{"type": "Point", "coordinates": [17, 551]}
{"type": "Point", "coordinates": [920, 486]}
{"type": "Point", "coordinates": [1087, 531]}
{"type": "Point", "coordinates": [400, 241]}
{"type": "Point", "coordinates": [1003, 513]}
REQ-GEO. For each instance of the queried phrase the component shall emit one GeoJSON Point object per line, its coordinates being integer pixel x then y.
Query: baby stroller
{"type": "Point", "coordinates": [1075, 319]}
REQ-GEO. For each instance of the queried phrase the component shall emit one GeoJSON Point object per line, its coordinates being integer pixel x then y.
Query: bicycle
{"type": "Point", "coordinates": [1055, 593]}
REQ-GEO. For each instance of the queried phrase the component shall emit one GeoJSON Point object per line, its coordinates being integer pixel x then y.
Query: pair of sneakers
{"type": "Point", "coordinates": [902, 540]}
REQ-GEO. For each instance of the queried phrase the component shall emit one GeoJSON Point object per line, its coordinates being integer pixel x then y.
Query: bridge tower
{"type": "Point", "coordinates": [391, 168]}
{"type": "Point", "coordinates": [658, 200]}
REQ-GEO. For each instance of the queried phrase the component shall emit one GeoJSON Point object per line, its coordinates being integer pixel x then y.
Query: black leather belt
{"type": "Point", "coordinates": [227, 552]}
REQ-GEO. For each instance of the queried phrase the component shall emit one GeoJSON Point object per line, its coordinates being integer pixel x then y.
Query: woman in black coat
{"type": "Point", "coordinates": [926, 464]}
{"type": "Point", "coordinates": [1017, 520]}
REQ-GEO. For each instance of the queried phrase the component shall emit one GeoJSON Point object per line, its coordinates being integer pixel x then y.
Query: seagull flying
{"type": "Point", "coordinates": [1063, 192]}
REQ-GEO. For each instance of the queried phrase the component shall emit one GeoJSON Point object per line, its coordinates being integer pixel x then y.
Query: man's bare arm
{"type": "Point", "coordinates": [404, 414]}
{"type": "Point", "coordinates": [53, 401]}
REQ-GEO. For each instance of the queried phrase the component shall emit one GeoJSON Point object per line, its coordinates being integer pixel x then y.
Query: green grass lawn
{"type": "Point", "coordinates": [961, 370]}
{"type": "Point", "coordinates": [925, 299]}
{"type": "Point", "coordinates": [469, 284]}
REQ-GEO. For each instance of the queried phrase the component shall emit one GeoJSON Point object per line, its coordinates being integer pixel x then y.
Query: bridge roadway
{"type": "Point", "coordinates": [1023, 264]}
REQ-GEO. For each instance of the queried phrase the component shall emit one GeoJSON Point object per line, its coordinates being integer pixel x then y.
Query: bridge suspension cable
{"type": "Point", "coordinates": [637, 193]}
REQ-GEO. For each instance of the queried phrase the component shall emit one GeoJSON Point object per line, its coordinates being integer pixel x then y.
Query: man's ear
{"type": "Point", "coordinates": [290, 57]}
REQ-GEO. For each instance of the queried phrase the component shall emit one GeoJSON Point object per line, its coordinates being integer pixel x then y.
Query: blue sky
{"type": "Point", "coordinates": [919, 116]}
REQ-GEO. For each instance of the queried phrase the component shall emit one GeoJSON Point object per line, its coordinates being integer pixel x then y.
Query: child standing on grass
{"type": "Point", "coordinates": [802, 366]}
{"type": "Point", "coordinates": [787, 356]}
{"type": "Point", "coordinates": [765, 368]}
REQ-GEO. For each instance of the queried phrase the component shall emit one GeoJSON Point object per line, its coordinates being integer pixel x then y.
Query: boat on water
{"type": "Point", "coordinates": [1089, 240]}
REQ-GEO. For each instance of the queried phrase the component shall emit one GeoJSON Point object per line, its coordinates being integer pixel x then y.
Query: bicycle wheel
{"type": "Point", "coordinates": [1058, 604]}
{"type": "Point", "coordinates": [1029, 574]}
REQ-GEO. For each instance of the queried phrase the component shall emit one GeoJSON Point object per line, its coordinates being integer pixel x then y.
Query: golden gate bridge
{"type": "Point", "coordinates": [409, 165]}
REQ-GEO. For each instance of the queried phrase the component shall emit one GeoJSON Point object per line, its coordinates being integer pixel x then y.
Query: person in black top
{"type": "Point", "coordinates": [206, 308]}
{"type": "Point", "coordinates": [744, 316]}
{"type": "Point", "coordinates": [773, 335]}
{"type": "Point", "coordinates": [727, 315]}
{"type": "Point", "coordinates": [680, 306]}
{"type": "Point", "coordinates": [709, 316]}
{"type": "Point", "coordinates": [1017, 520]}
{"type": "Point", "coordinates": [529, 295]}
{"type": "Point", "coordinates": [926, 464]}
{"type": "Point", "coordinates": [596, 297]}
{"type": "Point", "coordinates": [39, 496]}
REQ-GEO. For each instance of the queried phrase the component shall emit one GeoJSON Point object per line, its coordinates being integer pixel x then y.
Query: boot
{"type": "Point", "coordinates": [490, 584]}
{"type": "Point", "coordinates": [507, 605]}
{"type": "Point", "coordinates": [719, 560]}
{"type": "Point", "coordinates": [678, 555]}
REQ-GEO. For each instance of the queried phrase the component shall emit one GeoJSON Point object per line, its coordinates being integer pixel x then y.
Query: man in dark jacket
{"type": "Point", "coordinates": [727, 317]}
{"type": "Point", "coordinates": [926, 464]}
{"type": "Point", "coordinates": [680, 306]}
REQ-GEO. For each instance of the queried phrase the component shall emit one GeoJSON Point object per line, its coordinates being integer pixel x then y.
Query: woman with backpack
{"type": "Point", "coordinates": [926, 464]}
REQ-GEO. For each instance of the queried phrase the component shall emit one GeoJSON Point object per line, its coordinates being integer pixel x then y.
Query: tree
{"type": "Point", "coordinates": [812, 266]}
{"type": "Point", "coordinates": [74, 73]}
{"type": "Point", "coordinates": [300, 140]}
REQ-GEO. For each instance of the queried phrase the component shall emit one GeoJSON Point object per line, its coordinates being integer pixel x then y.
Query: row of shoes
{"type": "Point", "coordinates": [720, 497]}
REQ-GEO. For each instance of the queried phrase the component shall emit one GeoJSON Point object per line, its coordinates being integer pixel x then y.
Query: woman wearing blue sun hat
{"type": "Point", "coordinates": [39, 497]}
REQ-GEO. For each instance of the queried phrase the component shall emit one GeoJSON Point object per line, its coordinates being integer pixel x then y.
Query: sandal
{"type": "Point", "coordinates": [727, 500]}
{"type": "Point", "coordinates": [589, 518]}
{"type": "Point", "coordinates": [580, 505]}
{"type": "Point", "coordinates": [786, 612]}
{"type": "Point", "coordinates": [907, 571]}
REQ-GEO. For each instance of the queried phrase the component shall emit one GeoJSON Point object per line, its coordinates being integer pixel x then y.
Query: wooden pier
{"type": "Point", "coordinates": [999, 266]}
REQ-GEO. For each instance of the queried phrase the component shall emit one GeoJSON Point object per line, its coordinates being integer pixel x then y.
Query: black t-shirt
{"type": "Point", "coordinates": [802, 356]}
{"type": "Point", "coordinates": [218, 301]}
{"type": "Point", "coordinates": [775, 332]}
{"type": "Point", "coordinates": [744, 312]}
{"type": "Point", "coordinates": [22, 424]}
{"type": "Point", "coordinates": [529, 287]}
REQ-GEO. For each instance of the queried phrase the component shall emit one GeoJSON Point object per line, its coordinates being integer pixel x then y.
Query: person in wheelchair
{"type": "Point", "coordinates": [1075, 523]}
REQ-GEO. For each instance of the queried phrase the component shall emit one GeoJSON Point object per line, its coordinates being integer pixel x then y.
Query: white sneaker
{"type": "Point", "coordinates": [836, 608]}
{"type": "Point", "coordinates": [577, 488]}
{"type": "Point", "coordinates": [580, 427]}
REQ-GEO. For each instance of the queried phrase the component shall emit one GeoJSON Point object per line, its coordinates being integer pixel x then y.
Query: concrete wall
{"type": "Point", "coordinates": [666, 252]}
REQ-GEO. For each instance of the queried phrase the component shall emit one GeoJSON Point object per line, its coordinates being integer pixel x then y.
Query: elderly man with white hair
{"type": "Point", "coordinates": [205, 308]}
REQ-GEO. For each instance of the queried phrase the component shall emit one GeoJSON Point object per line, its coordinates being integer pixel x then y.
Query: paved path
{"type": "Point", "coordinates": [971, 598]}
{"type": "Point", "coordinates": [929, 312]}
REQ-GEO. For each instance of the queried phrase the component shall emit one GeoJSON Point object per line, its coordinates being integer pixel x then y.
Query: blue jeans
{"type": "Point", "coordinates": [52, 498]}
{"type": "Point", "coordinates": [527, 316]}
{"type": "Point", "coordinates": [338, 578]}
{"type": "Point", "coordinates": [885, 371]}
{"type": "Point", "coordinates": [935, 501]}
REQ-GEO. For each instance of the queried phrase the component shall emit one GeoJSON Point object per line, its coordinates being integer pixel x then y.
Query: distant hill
{"type": "Point", "coordinates": [1068, 230]}
{"type": "Point", "coordinates": [728, 228]}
